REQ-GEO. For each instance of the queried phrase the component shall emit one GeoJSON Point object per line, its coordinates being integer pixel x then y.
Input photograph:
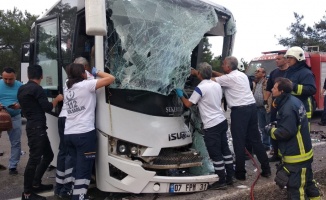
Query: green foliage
{"type": "Point", "coordinates": [214, 61]}
{"type": "Point", "coordinates": [208, 56]}
{"type": "Point", "coordinates": [15, 29]}
{"type": "Point", "coordinates": [303, 35]}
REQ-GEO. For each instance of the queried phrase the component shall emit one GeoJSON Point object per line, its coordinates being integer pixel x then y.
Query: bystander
{"type": "Point", "coordinates": [34, 103]}
{"type": "Point", "coordinates": [8, 97]}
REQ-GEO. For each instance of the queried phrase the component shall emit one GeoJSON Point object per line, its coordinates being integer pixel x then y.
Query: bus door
{"type": "Point", "coordinates": [47, 51]}
{"type": "Point", "coordinates": [47, 55]}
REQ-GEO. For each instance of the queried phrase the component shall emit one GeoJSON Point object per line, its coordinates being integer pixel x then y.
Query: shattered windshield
{"type": "Point", "coordinates": [149, 42]}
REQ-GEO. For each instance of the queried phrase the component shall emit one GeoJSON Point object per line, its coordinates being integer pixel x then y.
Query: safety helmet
{"type": "Point", "coordinates": [296, 52]}
{"type": "Point", "coordinates": [241, 67]}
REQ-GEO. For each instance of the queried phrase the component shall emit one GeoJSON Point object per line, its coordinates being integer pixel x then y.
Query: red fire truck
{"type": "Point", "coordinates": [315, 59]}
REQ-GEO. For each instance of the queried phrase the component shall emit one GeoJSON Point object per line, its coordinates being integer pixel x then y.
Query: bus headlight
{"type": "Point", "coordinates": [122, 149]}
{"type": "Point", "coordinates": [134, 150]}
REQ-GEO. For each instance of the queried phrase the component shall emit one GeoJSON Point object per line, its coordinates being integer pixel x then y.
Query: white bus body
{"type": "Point", "coordinates": [144, 139]}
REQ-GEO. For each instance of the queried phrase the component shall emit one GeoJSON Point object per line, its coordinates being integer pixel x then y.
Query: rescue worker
{"type": "Point", "coordinates": [292, 134]}
{"type": "Point", "coordinates": [79, 133]}
{"type": "Point", "coordinates": [208, 95]}
{"type": "Point", "coordinates": [244, 122]}
{"type": "Point", "coordinates": [304, 86]}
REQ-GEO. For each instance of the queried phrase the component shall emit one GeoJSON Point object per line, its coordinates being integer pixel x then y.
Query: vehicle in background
{"type": "Point", "coordinates": [314, 58]}
{"type": "Point", "coordinates": [149, 46]}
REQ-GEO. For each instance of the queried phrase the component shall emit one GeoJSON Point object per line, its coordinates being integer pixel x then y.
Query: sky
{"type": "Point", "coordinates": [259, 22]}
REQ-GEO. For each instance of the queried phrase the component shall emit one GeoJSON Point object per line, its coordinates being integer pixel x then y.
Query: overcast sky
{"type": "Point", "coordinates": [258, 21]}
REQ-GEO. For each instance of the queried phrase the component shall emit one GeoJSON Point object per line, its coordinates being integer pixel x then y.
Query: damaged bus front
{"type": "Point", "coordinates": [146, 140]}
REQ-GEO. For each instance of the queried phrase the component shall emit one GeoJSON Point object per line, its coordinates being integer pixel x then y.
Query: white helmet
{"type": "Point", "coordinates": [241, 67]}
{"type": "Point", "coordinates": [296, 52]}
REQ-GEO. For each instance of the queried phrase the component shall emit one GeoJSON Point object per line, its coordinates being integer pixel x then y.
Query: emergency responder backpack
{"type": "Point", "coordinates": [5, 120]}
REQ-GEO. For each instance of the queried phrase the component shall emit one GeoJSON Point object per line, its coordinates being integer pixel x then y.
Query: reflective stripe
{"type": "Point", "coordinates": [60, 181]}
{"type": "Point", "coordinates": [315, 198]}
{"type": "Point", "coordinates": [272, 133]}
{"type": "Point", "coordinates": [82, 182]}
{"type": "Point", "coordinates": [309, 113]}
{"type": "Point", "coordinates": [60, 173]}
{"type": "Point", "coordinates": [64, 181]}
{"type": "Point", "coordinates": [218, 162]}
{"type": "Point", "coordinates": [299, 90]}
{"type": "Point", "coordinates": [303, 182]}
{"type": "Point", "coordinates": [286, 169]}
{"type": "Point", "coordinates": [300, 141]}
{"type": "Point", "coordinates": [229, 162]}
{"type": "Point", "coordinates": [79, 191]}
{"type": "Point", "coordinates": [229, 156]}
{"type": "Point", "coordinates": [219, 168]}
{"type": "Point", "coordinates": [69, 179]}
{"type": "Point", "coordinates": [69, 171]}
{"type": "Point", "coordinates": [298, 158]}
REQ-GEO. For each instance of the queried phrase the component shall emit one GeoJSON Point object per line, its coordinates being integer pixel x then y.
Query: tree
{"type": "Point", "coordinates": [15, 29]}
{"type": "Point", "coordinates": [207, 54]}
{"type": "Point", "coordinates": [214, 61]}
{"type": "Point", "coordinates": [303, 35]}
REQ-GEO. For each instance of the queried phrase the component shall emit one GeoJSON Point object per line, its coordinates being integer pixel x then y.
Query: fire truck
{"type": "Point", "coordinates": [145, 138]}
{"type": "Point", "coordinates": [314, 58]}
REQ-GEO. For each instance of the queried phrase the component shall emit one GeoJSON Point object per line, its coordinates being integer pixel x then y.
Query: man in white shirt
{"type": "Point", "coordinates": [208, 95]}
{"type": "Point", "coordinates": [244, 122]}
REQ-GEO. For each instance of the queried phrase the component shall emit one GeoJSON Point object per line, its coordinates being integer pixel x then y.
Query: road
{"type": "Point", "coordinates": [12, 186]}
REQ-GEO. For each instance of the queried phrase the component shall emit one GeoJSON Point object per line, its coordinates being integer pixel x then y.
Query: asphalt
{"type": "Point", "coordinates": [11, 187]}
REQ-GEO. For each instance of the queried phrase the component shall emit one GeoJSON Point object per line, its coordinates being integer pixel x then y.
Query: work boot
{"type": "Point", "coordinates": [230, 181]}
{"type": "Point", "coordinates": [2, 167]}
{"type": "Point", "coordinates": [266, 173]}
{"type": "Point", "coordinates": [42, 188]}
{"type": "Point", "coordinates": [240, 176]}
{"type": "Point", "coordinates": [13, 171]}
{"type": "Point", "coordinates": [32, 196]}
{"type": "Point", "coordinates": [217, 186]}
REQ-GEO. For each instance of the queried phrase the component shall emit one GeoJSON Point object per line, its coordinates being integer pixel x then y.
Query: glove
{"type": "Point", "coordinates": [179, 92]}
{"type": "Point", "coordinates": [94, 71]}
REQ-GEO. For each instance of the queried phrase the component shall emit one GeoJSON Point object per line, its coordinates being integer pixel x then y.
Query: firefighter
{"type": "Point", "coordinates": [292, 134]}
{"type": "Point", "coordinates": [304, 86]}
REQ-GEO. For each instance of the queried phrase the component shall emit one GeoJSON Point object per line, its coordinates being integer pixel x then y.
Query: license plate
{"type": "Point", "coordinates": [187, 187]}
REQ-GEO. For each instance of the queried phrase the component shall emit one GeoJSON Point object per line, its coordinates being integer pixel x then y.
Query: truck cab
{"type": "Point", "coordinates": [315, 59]}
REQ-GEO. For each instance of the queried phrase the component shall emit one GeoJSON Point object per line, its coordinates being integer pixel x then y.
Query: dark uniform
{"type": "Point", "coordinates": [292, 134]}
{"type": "Point", "coordinates": [270, 84]}
{"type": "Point", "coordinates": [34, 104]}
{"type": "Point", "coordinates": [304, 85]}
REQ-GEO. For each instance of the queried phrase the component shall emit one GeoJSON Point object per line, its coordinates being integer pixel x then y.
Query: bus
{"type": "Point", "coordinates": [145, 137]}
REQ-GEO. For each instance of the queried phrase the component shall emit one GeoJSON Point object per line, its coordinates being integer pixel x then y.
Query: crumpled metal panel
{"type": "Point", "coordinates": [199, 144]}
